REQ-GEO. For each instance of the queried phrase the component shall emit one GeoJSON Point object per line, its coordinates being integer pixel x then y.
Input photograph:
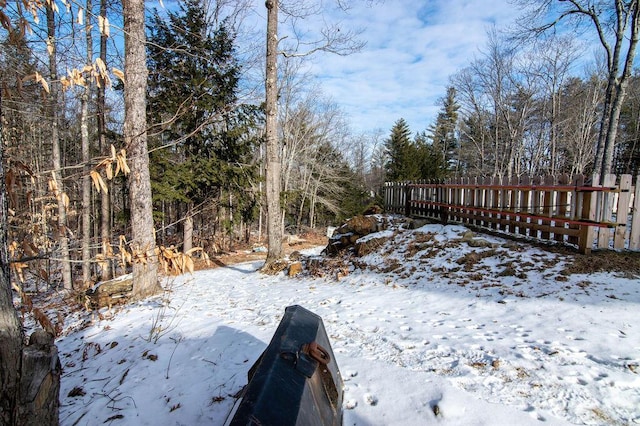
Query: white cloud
{"type": "Point", "coordinates": [411, 51]}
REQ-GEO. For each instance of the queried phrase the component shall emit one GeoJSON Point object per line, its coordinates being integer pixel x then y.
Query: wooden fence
{"type": "Point", "coordinates": [572, 211]}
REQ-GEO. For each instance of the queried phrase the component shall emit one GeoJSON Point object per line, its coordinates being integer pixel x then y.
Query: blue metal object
{"type": "Point", "coordinates": [296, 380]}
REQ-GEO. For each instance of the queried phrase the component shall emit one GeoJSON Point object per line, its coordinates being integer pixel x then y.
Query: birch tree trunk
{"type": "Point", "coordinates": [145, 268]}
{"type": "Point", "coordinates": [187, 235]}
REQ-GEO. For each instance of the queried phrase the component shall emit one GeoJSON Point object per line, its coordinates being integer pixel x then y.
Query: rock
{"type": "Point", "coordinates": [417, 223]}
{"type": "Point", "coordinates": [360, 225]}
{"type": "Point", "coordinates": [295, 256]}
{"type": "Point", "coordinates": [295, 269]}
{"type": "Point", "coordinates": [351, 231]}
{"type": "Point", "coordinates": [374, 209]}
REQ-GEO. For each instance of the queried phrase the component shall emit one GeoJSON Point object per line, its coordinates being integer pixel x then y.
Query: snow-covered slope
{"type": "Point", "coordinates": [476, 329]}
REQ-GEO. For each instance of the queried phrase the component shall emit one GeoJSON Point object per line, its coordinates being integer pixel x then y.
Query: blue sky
{"type": "Point", "coordinates": [412, 49]}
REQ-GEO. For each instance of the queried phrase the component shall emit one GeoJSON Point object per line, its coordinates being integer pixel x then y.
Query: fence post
{"type": "Point", "coordinates": [407, 201]}
{"type": "Point", "coordinates": [624, 198]}
{"type": "Point", "coordinates": [562, 196]}
{"type": "Point", "coordinates": [605, 204]}
{"type": "Point", "coordinates": [634, 237]}
{"type": "Point", "coordinates": [585, 240]}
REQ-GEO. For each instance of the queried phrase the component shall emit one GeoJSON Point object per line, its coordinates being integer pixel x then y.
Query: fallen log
{"type": "Point", "coordinates": [109, 293]}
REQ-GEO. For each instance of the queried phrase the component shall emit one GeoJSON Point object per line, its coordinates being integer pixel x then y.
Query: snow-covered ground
{"type": "Point", "coordinates": [490, 332]}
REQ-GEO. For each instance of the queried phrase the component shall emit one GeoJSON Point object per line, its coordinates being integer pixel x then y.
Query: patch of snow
{"type": "Point", "coordinates": [387, 233]}
{"type": "Point", "coordinates": [504, 340]}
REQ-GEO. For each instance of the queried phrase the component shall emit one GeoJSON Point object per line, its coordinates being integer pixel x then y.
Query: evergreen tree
{"type": "Point", "coordinates": [207, 139]}
{"type": "Point", "coordinates": [443, 132]}
{"type": "Point", "coordinates": [430, 159]}
{"type": "Point", "coordinates": [401, 164]}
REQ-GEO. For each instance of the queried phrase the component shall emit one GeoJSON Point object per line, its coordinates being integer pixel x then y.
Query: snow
{"type": "Point", "coordinates": [478, 329]}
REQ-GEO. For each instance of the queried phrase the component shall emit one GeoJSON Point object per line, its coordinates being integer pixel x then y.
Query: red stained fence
{"type": "Point", "coordinates": [572, 211]}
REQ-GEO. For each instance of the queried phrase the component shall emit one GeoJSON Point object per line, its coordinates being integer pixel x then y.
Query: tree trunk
{"type": "Point", "coordinates": [29, 376]}
{"type": "Point", "coordinates": [187, 240]}
{"type": "Point", "coordinates": [273, 161]}
{"type": "Point", "coordinates": [86, 156]}
{"type": "Point", "coordinates": [10, 329]}
{"type": "Point", "coordinates": [145, 266]}
{"type": "Point", "coordinates": [105, 200]}
{"type": "Point", "coordinates": [56, 155]}
{"type": "Point", "coordinates": [619, 94]}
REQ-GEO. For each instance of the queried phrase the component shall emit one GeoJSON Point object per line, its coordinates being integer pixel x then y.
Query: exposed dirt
{"type": "Point", "coordinates": [246, 253]}
{"type": "Point", "coordinates": [625, 262]}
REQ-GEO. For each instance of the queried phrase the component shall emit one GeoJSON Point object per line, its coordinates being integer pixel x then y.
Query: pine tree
{"type": "Point", "coordinates": [443, 132]}
{"type": "Point", "coordinates": [429, 158]}
{"type": "Point", "coordinates": [206, 139]}
{"type": "Point", "coordinates": [401, 164]}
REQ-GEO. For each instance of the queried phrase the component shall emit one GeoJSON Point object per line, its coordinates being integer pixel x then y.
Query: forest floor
{"type": "Point", "coordinates": [247, 252]}
{"type": "Point", "coordinates": [428, 324]}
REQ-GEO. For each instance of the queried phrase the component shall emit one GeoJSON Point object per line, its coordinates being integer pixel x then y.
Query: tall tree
{"type": "Point", "coordinates": [430, 158]}
{"type": "Point", "coordinates": [617, 26]}
{"type": "Point", "coordinates": [332, 40]}
{"type": "Point", "coordinates": [629, 140]}
{"type": "Point", "coordinates": [105, 200]}
{"type": "Point", "coordinates": [86, 156]}
{"type": "Point", "coordinates": [275, 231]}
{"type": "Point", "coordinates": [401, 164]}
{"type": "Point", "coordinates": [58, 183]}
{"type": "Point", "coordinates": [23, 369]}
{"type": "Point", "coordinates": [444, 131]}
{"type": "Point", "coordinates": [11, 336]}
{"type": "Point", "coordinates": [143, 244]}
{"type": "Point", "coordinates": [579, 104]}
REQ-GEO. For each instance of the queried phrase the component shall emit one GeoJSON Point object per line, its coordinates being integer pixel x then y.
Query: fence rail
{"type": "Point", "coordinates": [572, 211]}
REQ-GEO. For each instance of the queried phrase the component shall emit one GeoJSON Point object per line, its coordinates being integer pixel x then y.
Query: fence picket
{"type": "Point", "coordinates": [622, 210]}
{"type": "Point", "coordinates": [605, 211]}
{"type": "Point", "coordinates": [634, 235]}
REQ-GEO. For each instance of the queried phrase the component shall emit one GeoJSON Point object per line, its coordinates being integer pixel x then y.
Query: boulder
{"type": "Point", "coordinates": [295, 268]}
{"type": "Point", "coordinates": [347, 235]}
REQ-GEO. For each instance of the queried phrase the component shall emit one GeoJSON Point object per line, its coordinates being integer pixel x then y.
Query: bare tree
{"type": "Point", "coordinates": [616, 24]}
{"type": "Point", "coordinates": [332, 40]}
{"type": "Point", "coordinates": [105, 200]}
{"type": "Point", "coordinates": [57, 183]}
{"type": "Point", "coordinates": [553, 61]}
{"type": "Point", "coordinates": [29, 374]}
{"type": "Point", "coordinates": [275, 232]}
{"type": "Point", "coordinates": [578, 122]}
{"type": "Point", "coordinates": [145, 265]}
{"type": "Point", "coordinates": [86, 156]}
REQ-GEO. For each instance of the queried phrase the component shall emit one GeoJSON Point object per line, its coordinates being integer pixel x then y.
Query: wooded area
{"type": "Point", "coordinates": [73, 203]}
{"type": "Point", "coordinates": [133, 137]}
